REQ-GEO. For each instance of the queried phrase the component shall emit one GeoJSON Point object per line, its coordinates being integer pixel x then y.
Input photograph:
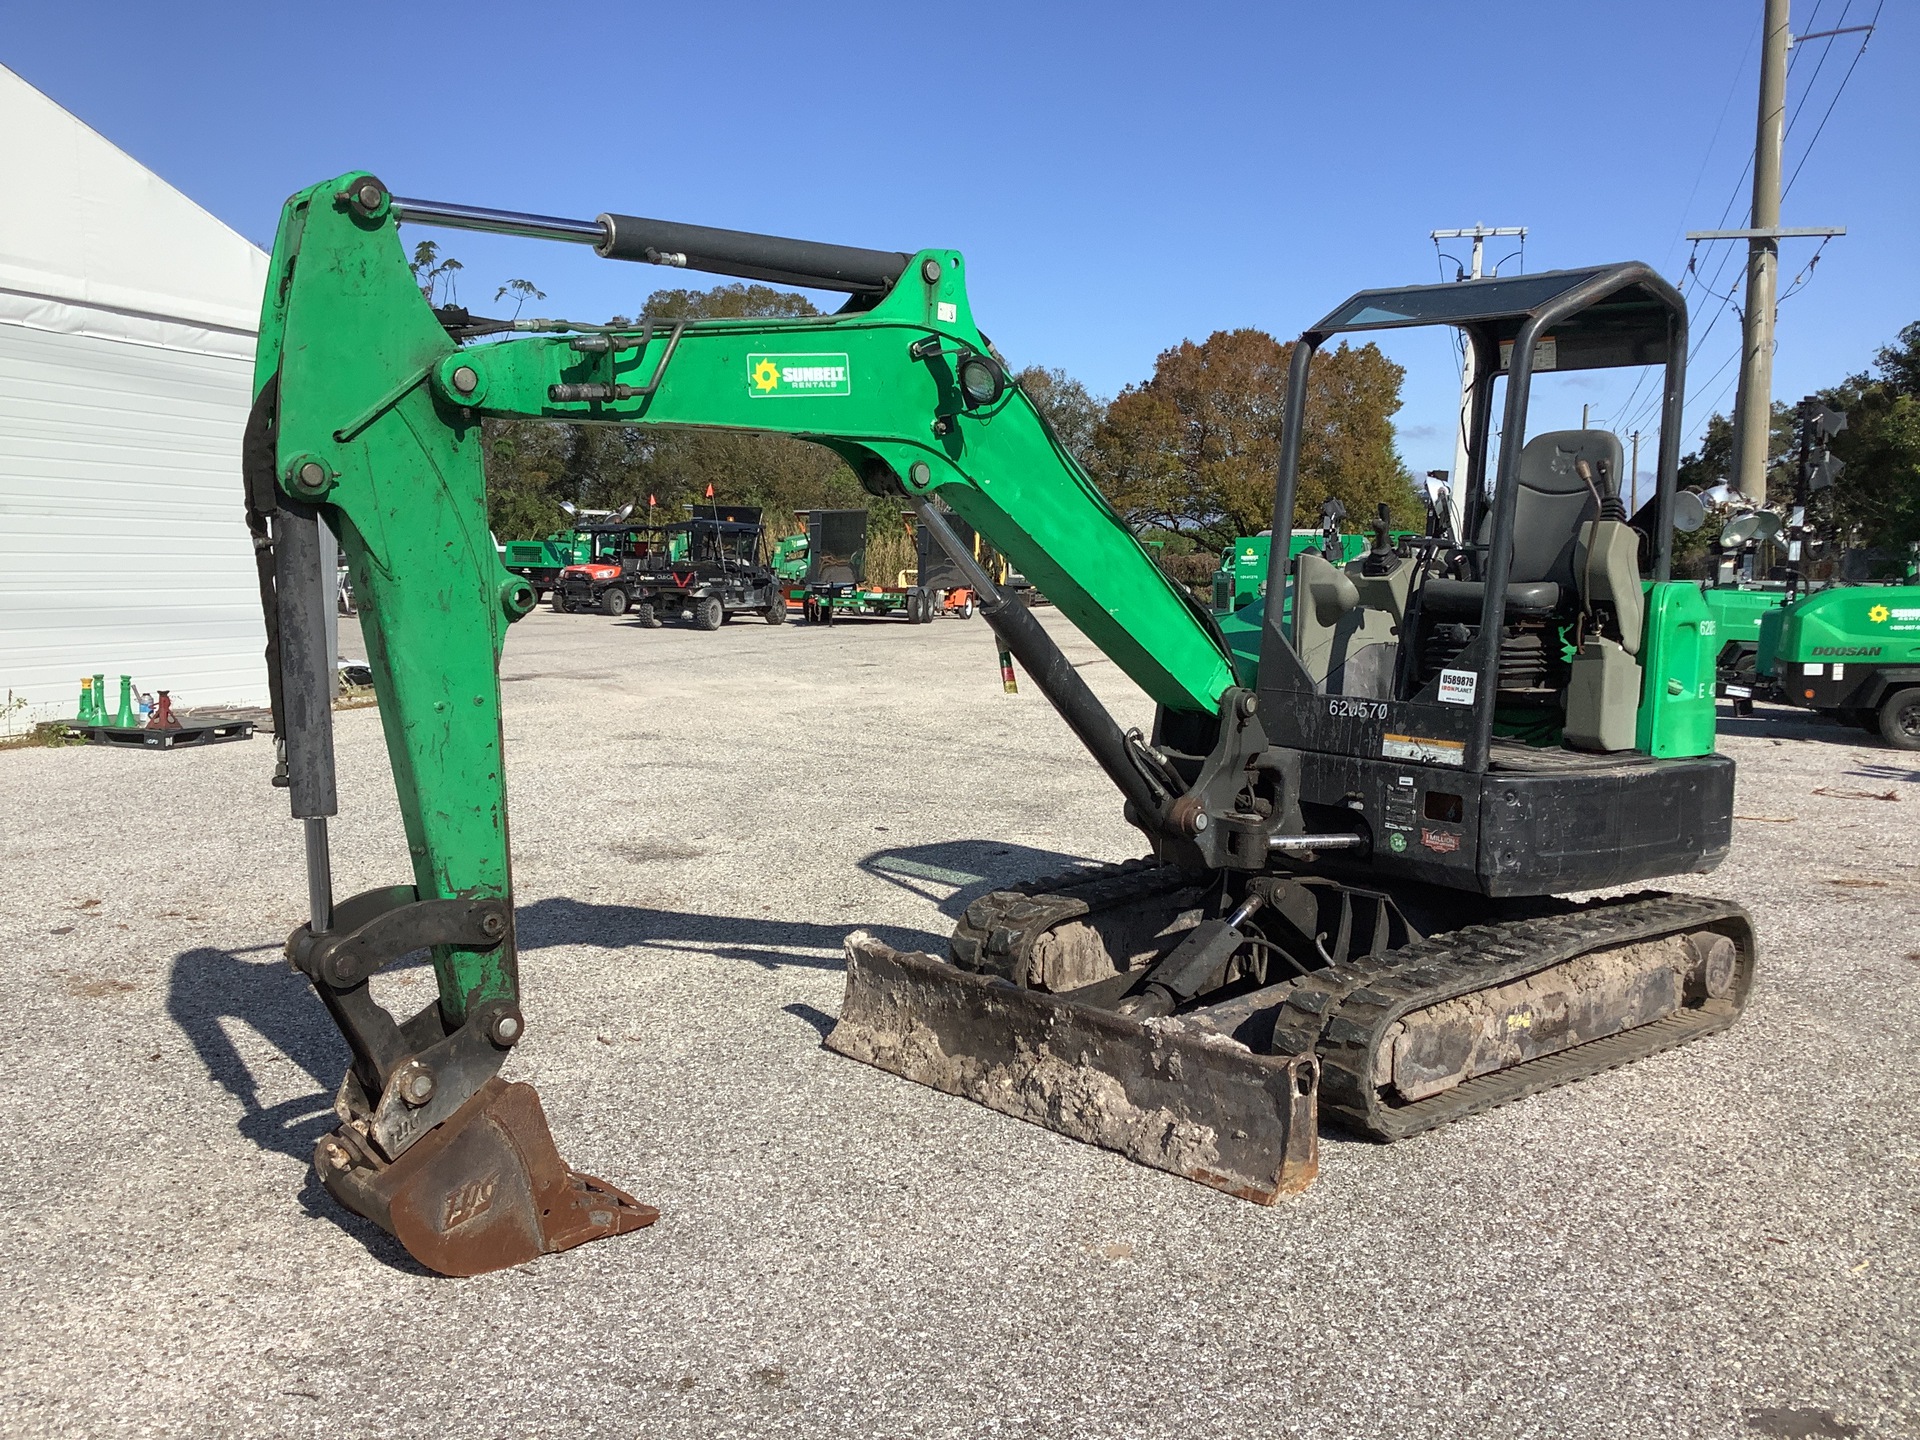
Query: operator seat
{"type": "Point", "coordinates": [1551, 505]}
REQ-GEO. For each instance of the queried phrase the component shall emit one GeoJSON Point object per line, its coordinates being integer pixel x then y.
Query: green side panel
{"type": "Point", "coordinates": [1868, 624]}
{"type": "Point", "coordinates": [1737, 613]}
{"type": "Point", "coordinates": [1772, 624]}
{"type": "Point", "coordinates": [1677, 658]}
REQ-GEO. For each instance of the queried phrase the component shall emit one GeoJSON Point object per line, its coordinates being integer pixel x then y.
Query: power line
{"type": "Point", "coordinates": [1647, 408]}
{"type": "Point", "coordinates": [1639, 411]}
{"type": "Point", "coordinates": [1864, 42]}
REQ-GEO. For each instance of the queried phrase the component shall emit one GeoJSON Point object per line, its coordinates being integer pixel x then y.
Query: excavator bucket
{"type": "Point", "coordinates": [1197, 1105]}
{"type": "Point", "coordinates": [482, 1191]}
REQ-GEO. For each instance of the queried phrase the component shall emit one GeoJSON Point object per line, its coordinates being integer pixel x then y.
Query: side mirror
{"type": "Point", "coordinates": [1439, 506]}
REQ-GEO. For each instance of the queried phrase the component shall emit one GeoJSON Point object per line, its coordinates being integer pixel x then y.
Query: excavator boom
{"type": "Point", "coordinates": [368, 420]}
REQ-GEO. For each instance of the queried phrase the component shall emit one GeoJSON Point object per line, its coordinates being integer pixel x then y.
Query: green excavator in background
{"type": "Point", "coordinates": [1360, 807]}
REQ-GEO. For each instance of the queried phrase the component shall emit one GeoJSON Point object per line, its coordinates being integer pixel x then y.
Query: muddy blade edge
{"type": "Point", "coordinates": [483, 1191]}
{"type": "Point", "coordinates": [1201, 1107]}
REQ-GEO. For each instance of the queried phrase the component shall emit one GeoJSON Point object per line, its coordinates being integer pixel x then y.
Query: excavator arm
{"type": "Point", "coordinates": [368, 421]}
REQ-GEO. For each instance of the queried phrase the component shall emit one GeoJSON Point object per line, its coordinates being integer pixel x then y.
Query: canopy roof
{"type": "Point", "coordinates": [1628, 323]}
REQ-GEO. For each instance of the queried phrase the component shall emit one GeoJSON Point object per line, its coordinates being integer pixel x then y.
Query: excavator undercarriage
{"type": "Point", "coordinates": [1330, 999]}
{"type": "Point", "coordinates": [1363, 798]}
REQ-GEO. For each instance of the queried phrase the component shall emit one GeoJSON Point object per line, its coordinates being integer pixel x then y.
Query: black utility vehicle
{"type": "Point", "coordinates": [711, 568]}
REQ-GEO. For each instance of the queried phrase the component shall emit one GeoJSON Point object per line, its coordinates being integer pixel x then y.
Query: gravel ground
{"type": "Point", "coordinates": [1718, 1241]}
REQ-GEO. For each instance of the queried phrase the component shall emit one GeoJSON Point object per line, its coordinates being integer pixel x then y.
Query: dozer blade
{"type": "Point", "coordinates": [1157, 1093]}
{"type": "Point", "coordinates": [484, 1190]}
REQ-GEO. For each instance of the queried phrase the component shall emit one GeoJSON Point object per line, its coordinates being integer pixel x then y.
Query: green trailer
{"type": "Point", "coordinates": [1738, 612]}
{"type": "Point", "coordinates": [539, 562]}
{"type": "Point", "coordinates": [1851, 652]}
{"type": "Point", "coordinates": [837, 586]}
{"type": "Point", "coordinates": [1242, 577]}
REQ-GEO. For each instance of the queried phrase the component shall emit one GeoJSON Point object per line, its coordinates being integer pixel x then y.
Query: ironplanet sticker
{"type": "Point", "coordinates": [773, 375]}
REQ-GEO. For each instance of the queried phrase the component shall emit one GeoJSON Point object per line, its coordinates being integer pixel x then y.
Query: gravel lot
{"type": "Point", "coordinates": [1719, 1241]}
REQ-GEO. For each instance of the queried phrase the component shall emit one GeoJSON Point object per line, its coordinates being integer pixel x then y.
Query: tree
{"type": "Point", "coordinates": [1899, 363]}
{"type": "Point", "coordinates": [1712, 463]}
{"type": "Point", "coordinates": [437, 277]}
{"type": "Point", "coordinates": [1195, 450]}
{"type": "Point", "coordinates": [522, 291]}
{"type": "Point", "coordinates": [1875, 502]}
{"type": "Point", "coordinates": [728, 302]}
{"type": "Point", "coordinates": [1066, 404]}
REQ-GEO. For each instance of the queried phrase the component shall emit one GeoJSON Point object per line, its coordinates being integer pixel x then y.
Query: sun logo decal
{"type": "Point", "coordinates": [1878, 614]}
{"type": "Point", "coordinates": [766, 377]}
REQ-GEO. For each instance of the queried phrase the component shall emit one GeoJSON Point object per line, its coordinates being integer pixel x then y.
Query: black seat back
{"type": "Point", "coordinates": [1553, 501]}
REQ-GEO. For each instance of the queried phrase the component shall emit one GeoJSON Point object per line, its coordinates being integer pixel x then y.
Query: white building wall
{"type": "Point", "coordinates": [123, 547]}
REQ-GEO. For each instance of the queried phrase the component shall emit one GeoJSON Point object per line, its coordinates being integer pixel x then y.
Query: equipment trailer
{"type": "Point", "coordinates": [1350, 901]}
{"type": "Point", "coordinates": [1851, 652]}
{"type": "Point", "coordinates": [837, 586]}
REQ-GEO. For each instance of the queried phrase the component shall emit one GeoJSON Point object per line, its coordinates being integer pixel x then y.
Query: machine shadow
{"type": "Point", "coordinates": [952, 874]}
{"type": "Point", "coordinates": [207, 986]}
{"type": "Point", "coordinates": [770, 943]}
{"type": "Point", "coordinates": [1791, 725]}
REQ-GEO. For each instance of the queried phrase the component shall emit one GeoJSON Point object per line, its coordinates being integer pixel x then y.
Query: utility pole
{"type": "Point", "coordinates": [1479, 234]}
{"type": "Point", "coordinates": [1633, 471]}
{"type": "Point", "coordinates": [1753, 409]}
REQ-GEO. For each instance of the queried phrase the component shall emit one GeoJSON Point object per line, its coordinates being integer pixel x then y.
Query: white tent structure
{"type": "Point", "coordinates": [127, 324]}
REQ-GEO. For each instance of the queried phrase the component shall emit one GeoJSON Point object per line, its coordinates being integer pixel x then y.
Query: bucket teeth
{"type": "Point", "coordinates": [1196, 1105]}
{"type": "Point", "coordinates": [482, 1191]}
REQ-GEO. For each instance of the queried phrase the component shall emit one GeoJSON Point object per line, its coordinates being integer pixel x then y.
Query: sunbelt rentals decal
{"type": "Point", "coordinates": [769, 376]}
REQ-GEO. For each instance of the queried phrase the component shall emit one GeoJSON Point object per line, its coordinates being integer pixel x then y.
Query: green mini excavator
{"type": "Point", "coordinates": [1360, 806]}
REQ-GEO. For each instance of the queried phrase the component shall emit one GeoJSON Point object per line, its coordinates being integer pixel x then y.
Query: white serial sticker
{"type": "Point", "coordinates": [1421, 748]}
{"type": "Point", "coordinates": [948, 312]}
{"type": "Point", "coordinates": [1839, 671]}
{"type": "Point", "coordinates": [1546, 354]}
{"type": "Point", "coordinates": [1458, 687]}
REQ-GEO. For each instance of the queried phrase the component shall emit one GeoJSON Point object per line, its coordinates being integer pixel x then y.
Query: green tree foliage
{"type": "Point", "coordinates": [1876, 500]}
{"type": "Point", "coordinates": [437, 276]}
{"type": "Point", "coordinates": [1072, 411]}
{"type": "Point", "coordinates": [728, 302]}
{"type": "Point", "coordinates": [1875, 503]}
{"type": "Point", "coordinates": [1195, 450]}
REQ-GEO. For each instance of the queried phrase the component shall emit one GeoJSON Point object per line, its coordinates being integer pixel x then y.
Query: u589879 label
{"type": "Point", "coordinates": [1458, 687]}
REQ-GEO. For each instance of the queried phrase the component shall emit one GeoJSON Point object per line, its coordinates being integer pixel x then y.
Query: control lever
{"type": "Point", "coordinates": [1606, 494]}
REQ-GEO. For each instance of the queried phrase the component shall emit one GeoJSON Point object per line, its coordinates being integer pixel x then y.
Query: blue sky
{"type": "Point", "coordinates": [1121, 176]}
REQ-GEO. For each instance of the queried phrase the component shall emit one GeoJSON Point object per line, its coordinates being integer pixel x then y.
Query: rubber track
{"type": "Point", "coordinates": [1342, 1014]}
{"type": "Point", "coordinates": [997, 934]}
